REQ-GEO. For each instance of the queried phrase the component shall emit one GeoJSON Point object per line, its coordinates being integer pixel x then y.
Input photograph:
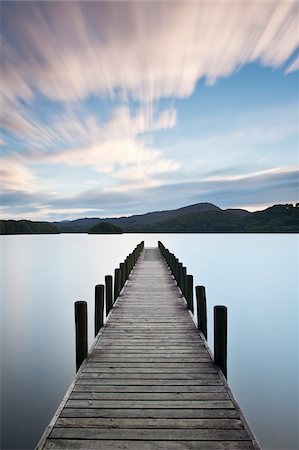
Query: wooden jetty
{"type": "Point", "coordinates": [149, 382]}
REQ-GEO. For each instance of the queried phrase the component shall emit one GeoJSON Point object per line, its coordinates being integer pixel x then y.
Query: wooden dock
{"type": "Point", "coordinates": [149, 382]}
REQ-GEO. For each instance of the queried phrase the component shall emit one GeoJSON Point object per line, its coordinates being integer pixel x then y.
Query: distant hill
{"type": "Point", "coordinates": [26, 227]}
{"type": "Point", "coordinates": [198, 218]}
{"type": "Point", "coordinates": [140, 222]}
{"type": "Point", "coordinates": [279, 218]}
{"type": "Point", "coordinates": [105, 228]}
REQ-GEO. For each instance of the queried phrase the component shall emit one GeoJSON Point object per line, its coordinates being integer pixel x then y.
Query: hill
{"type": "Point", "coordinates": [140, 222]}
{"type": "Point", "coordinates": [198, 218]}
{"type": "Point", "coordinates": [105, 228]}
{"type": "Point", "coordinates": [26, 227]}
{"type": "Point", "coordinates": [206, 218]}
{"type": "Point", "coordinates": [276, 219]}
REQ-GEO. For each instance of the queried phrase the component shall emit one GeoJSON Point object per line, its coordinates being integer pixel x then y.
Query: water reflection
{"type": "Point", "coordinates": [255, 276]}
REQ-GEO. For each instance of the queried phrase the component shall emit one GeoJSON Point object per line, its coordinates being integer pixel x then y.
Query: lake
{"type": "Point", "coordinates": [255, 276]}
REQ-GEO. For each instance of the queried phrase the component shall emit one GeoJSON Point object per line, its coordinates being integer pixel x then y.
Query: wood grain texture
{"type": "Point", "coordinates": [149, 382]}
{"type": "Point", "coordinates": [71, 444]}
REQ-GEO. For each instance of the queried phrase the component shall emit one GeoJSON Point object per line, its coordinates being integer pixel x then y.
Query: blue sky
{"type": "Point", "coordinates": [116, 108]}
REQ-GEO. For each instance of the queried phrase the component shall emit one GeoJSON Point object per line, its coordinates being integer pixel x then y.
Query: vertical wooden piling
{"type": "Point", "coordinates": [122, 275]}
{"type": "Point", "coordinates": [127, 268]}
{"type": "Point", "coordinates": [108, 291]}
{"type": "Point", "coordinates": [220, 338]}
{"type": "Point", "coordinates": [81, 332]}
{"type": "Point", "coordinates": [99, 308]}
{"type": "Point", "coordinates": [116, 283]}
{"type": "Point", "coordinates": [189, 297]}
{"type": "Point", "coordinates": [184, 281]}
{"type": "Point", "coordinates": [180, 276]}
{"type": "Point", "coordinates": [201, 310]}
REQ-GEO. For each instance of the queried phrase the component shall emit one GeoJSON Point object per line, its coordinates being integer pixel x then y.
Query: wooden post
{"type": "Point", "coordinates": [108, 289]}
{"type": "Point", "coordinates": [116, 283]}
{"type": "Point", "coordinates": [81, 332]}
{"type": "Point", "coordinates": [201, 310]}
{"type": "Point", "coordinates": [184, 281]}
{"type": "Point", "coordinates": [176, 270]}
{"type": "Point", "coordinates": [171, 263]}
{"type": "Point", "coordinates": [220, 338]}
{"type": "Point", "coordinates": [189, 297]}
{"type": "Point", "coordinates": [98, 308]}
{"type": "Point", "coordinates": [128, 266]}
{"type": "Point", "coordinates": [122, 275]}
{"type": "Point", "coordinates": [181, 276]}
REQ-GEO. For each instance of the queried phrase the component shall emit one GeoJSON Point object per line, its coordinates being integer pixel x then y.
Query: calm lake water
{"type": "Point", "coordinates": [255, 276]}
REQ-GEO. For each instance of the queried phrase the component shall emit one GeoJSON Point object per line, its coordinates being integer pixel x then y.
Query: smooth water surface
{"type": "Point", "coordinates": [255, 276]}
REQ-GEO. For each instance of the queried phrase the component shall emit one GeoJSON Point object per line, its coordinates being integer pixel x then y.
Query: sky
{"type": "Point", "coordinates": [112, 108]}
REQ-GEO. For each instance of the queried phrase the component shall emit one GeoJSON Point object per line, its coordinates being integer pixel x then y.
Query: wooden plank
{"type": "Point", "coordinates": [203, 381]}
{"type": "Point", "coordinates": [150, 376]}
{"type": "Point", "coordinates": [148, 347]}
{"type": "Point", "coordinates": [154, 349]}
{"type": "Point", "coordinates": [100, 422]}
{"type": "Point", "coordinates": [142, 404]}
{"type": "Point", "coordinates": [70, 444]}
{"type": "Point", "coordinates": [157, 396]}
{"type": "Point", "coordinates": [150, 434]}
{"type": "Point", "coordinates": [143, 363]}
{"type": "Point", "coordinates": [155, 371]}
{"type": "Point", "coordinates": [151, 413]}
{"type": "Point", "coordinates": [191, 390]}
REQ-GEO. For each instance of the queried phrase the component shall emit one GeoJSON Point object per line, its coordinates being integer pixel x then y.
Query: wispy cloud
{"type": "Point", "coordinates": [293, 66]}
{"type": "Point", "coordinates": [70, 50]}
{"type": "Point", "coordinates": [64, 63]}
{"type": "Point", "coordinates": [14, 175]}
{"type": "Point", "coordinates": [256, 138]}
{"type": "Point", "coordinates": [253, 189]}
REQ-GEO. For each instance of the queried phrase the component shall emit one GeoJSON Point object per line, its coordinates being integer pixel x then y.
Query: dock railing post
{"type": "Point", "coordinates": [189, 297]}
{"type": "Point", "coordinates": [201, 310]}
{"type": "Point", "coordinates": [81, 332]}
{"type": "Point", "coordinates": [184, 281]}
{"type": "Point", "coordinates": [180, 276]}
{"type": "Point", "coordinates": [122, 275]}
{"type": "Point", "coordinates": [116, 283]}
{"type": "Point", "coordinates": [108, 291]}
{"type": "Point", "coordinates": [220, 338]}
{"type": "Point", "coordinates": [99, 308]}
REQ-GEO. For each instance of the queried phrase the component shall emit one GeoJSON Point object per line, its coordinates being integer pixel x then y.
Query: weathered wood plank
{"type": "Point", "coordinates": [150, 434]}
{"type": "Point", "coordinates": [154, 350]}
{"type": "Point", "coordinates": [143, 363]}
{"type": "Point", "coordinates": [157, 396]}
{"type": "Point", "coordinates": [150, 376]}
{"type": "Point", "coordinates": [203, 381]}
{"type": "Point", "coordinates": [110, 369]}
{"type": "Point", "coordinates": [151, 413]}
{"type": "Point", "coordinates": [69, 444]}
{"type": "Point", "coordinates": [99, 422]}
{"type": "Point", "coordinates": [141, 404]}
{"type": "Point", "coordinates": [191, 390]}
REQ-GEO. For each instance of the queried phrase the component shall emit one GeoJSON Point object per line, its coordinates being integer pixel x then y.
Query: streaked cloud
{"type": "Point", "coordinates": [293, 67]}
{"type": "Point", "coordinates": [88, 88]}
{"type": "Point", "coordinates": [14, 175]}
{"type": "Point", "coordinates": [118, 147]}
{"type": "Point", "coordinates": [144, 50]}
{"type": "Point", "coordinates": [253, 189]}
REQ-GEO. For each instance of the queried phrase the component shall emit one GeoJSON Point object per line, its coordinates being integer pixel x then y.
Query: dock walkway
{"type": "Point", "coordinates": [149, 382]}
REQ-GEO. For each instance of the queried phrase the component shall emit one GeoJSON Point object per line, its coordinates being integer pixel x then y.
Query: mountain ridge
{"type": "Point", "coordinates": [196, 218]}
{"type": "Point", "coordinates": [148, 218]}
